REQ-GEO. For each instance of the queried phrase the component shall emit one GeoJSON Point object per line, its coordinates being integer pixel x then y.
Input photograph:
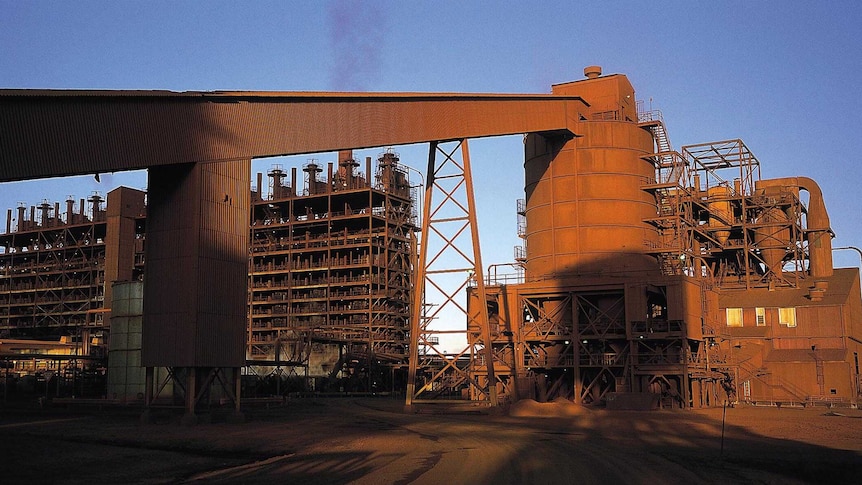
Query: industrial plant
{"type": "Point", "coordinates": [672, 278]}
{"type": "Point", "coordinates": [649, 276]}
{"type": "Point", "coordinates": [329, 284]}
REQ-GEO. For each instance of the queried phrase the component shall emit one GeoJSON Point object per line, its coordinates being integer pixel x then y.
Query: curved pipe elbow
{"type": "Point", "coordinates": [818, 226]}
{"type": "Point", "coordinates": [818, 218]}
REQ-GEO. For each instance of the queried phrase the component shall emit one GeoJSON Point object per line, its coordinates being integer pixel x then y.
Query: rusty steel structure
{"type": "Point", "coordinates": [331, 272]}
{"type": "Point", "coordinates": [197, 148]}
{"type": "Point", "coordinates": [55, 266]}
{"type": "Point", "coordinates": [650, 276]}
{"type": "Point", "coordinates": [330, 269]}
{"type": "Point", "coordinates": [646, 269]}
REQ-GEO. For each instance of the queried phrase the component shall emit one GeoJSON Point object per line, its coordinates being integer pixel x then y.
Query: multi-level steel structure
{"type": "Point", "coordinates": [678, 278]}
{"type": "Point", "coordinates": [331, 271]}
{"type": "Point", "coordinates": [650, 275]}
{"type": "Point", "coordinates": [56, 273]}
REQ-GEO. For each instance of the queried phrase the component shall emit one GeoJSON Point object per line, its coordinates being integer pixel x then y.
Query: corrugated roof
{"type": "Point", "coordinates": [840, 284]}
{"type": "Point", "coordinates": [281, 95]}
{"type": "Point", "coordinates": [806, 355]}
{"type": "Point", "coordinates": [49, 133]}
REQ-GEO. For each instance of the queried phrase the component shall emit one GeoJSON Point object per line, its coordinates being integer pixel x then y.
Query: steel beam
{"type": "Point", "coordinates": [49, 133]}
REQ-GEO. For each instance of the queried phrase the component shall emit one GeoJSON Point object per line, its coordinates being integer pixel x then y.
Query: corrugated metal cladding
{"type": "Point", "coordinates": [123, 205]}
{"type": "Point", "coordinates": [197, 265]}
{"type": "Point", "coordinates": [223, 272]}
{"type": "Point", "coordinates": [49, 134]}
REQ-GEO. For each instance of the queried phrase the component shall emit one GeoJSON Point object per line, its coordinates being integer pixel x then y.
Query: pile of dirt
{"type": "Point", "coordinates": [559, 408]}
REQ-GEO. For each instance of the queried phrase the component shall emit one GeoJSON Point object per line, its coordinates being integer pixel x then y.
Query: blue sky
{"type": "Point", "coordinates": [778, 74]}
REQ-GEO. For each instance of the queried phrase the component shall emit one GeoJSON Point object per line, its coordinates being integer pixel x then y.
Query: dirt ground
{"type": "Point", "coordinates": [372, 441]}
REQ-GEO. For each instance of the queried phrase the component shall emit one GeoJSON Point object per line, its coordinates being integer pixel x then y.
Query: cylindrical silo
{"type": "Point", "coordinates": [585, 206]}
{"type": "Point", "coordinates": [720, 211]}
{"type": "Point", "coordinates": [772, 233]}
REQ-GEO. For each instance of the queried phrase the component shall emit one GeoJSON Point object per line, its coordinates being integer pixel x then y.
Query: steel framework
{"type": "Point", "coordinates": [446, 268]}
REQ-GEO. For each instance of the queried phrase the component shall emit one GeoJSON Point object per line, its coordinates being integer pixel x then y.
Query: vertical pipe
{"type": "Point", "coordinates": [368, 171]}
{"type": "Point", "coordinates": [21, 224]}
{"type": "Point", "coordinates": [259, 186]}
{"type": "Point", "coordinates": [70, 218]}
{"type": "Point", "coordinates": [56, 214]}
{"type": "Point", "coordinates": [329, 177]}
{"type": "Point", "coordinates": [8, 221]}
{"type": "Point", "coordinates": [33, 213]}
{"type": "Point", "coordinates": [237, 381]}
{"type": "Point", "coordinates": [293, 181]}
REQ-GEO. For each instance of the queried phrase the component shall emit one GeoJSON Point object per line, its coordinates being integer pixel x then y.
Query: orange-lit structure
{"type": "Point", "coordinates": [673, 278]}
{"type": "Point", "coordinates": [651, 276]}
{"type": "Point", "coordinates": [331, 272]}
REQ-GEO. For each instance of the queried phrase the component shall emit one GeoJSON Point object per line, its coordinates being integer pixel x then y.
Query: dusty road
{"type": "Point", "coordinates": [372, 442]}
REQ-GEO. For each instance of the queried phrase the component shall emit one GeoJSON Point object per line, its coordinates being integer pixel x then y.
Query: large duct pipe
{"type": "Point", "coordinates": [818, 231]}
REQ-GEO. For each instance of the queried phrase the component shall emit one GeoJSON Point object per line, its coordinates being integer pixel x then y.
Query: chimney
{"type": "Point", "coordinates": [592, 72]}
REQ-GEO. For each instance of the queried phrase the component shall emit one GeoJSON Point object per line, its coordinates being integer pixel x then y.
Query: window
{"type": "Point", "coordinates": [787, 316]}
{"type": "Point", "coordinates": [734, 317]}
{"type": "Point", "coordinates": [761, 316]}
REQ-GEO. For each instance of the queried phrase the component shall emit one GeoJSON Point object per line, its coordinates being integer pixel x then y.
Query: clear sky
{"type": "Point", "coordinates": [777, 74]}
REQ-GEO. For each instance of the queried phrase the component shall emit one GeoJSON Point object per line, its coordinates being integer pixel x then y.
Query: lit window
{"type": "Point", "coordinates": [761, 316]}
{"type": "Point", "coordinates": [787, 316]}
{"type": "Point", "coordinates": [734, 317]}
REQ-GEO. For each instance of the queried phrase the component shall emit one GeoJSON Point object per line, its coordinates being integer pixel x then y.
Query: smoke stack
{"type": "Point", "coordinates": [70, 218]}
{"type": "Point", "coordinates": [21, 210]}
{"type": "Point", "coordinates": [259, 186]}
{"type": "Point", "coordinates": [592, 72]}
{"type": "Point", "coordinates": [344, 155]}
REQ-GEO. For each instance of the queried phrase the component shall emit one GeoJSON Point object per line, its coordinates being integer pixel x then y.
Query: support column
{"type": "Point", "coordinates": [196, 280]}
{"type": "Point", "coordinates": [417, 314]}
{"type": "Point", "coordinates": [576, 344]}
{"type": "Point", "coordinates": [148, 386]}
{"type": "Point", "coordinates": [478, 275]}
{"type": "Point", "coordinates": [189, 417]}
{"type": "Point", "coordinates": [456, 264]}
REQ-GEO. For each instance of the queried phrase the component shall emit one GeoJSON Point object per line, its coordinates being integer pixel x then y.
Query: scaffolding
{"type": "Point", "coordinates": [715, 223]}
{"type": "Point", "coordinates": [53, 273]}
{"type": "Point", "coordinates": [333, 268]}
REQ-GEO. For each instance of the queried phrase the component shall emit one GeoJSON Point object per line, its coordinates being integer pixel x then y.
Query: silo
{"type": "Point", "coordinates": [585, 205]}
{"type": "Point", "coordinates": [720, 211]}
{"type": "Point", "coordinates": [772, 232]}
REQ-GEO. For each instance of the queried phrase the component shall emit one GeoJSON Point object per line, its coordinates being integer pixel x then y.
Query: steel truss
{"type": "Point", "coordinates": [194, 384]}
{"type": "Point", "coordinates": [449, 263]}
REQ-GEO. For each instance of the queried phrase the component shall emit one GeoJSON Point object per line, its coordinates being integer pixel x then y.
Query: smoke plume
{"type": "Point", "coordinates": [356, 34]}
